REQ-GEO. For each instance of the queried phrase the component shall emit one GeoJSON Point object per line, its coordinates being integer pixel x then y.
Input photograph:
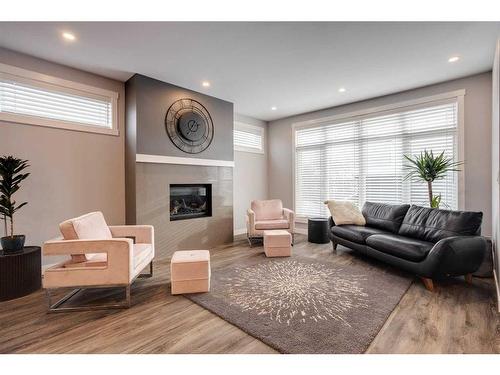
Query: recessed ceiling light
{"type": "Point", "coordinates": [205, 84]}
{"type": "Point", "coordinates": [454, 59]}
{"type": "Point", "coordinates": [68, 36]}
{"type": "Point", "coordinates": [342, 89]}
{"type": "Point", "coordinates": [274, 108]}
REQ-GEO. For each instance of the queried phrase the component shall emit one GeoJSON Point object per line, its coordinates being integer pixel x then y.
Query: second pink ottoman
{"type": "Point", "coordinates": [277, 243]}
{"type": "Point", "coordinates": [190, 271]}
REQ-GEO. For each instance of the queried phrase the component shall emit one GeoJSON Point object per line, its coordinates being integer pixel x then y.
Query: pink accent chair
{"type": "Point", "coordinates": [268, 215]}
{"type": "Point", "coordinates": [100, 256]}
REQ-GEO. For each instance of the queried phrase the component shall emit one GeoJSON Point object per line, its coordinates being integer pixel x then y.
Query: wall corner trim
{"type": "Point", "coordinates": [161, 159]}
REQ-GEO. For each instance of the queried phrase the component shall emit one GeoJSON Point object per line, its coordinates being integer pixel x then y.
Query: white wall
{"type": "Point", "coordinates": [71, 172]}
{"type": "Point", "coordinates": [250, 176]}
{"type": "Point", "coordinates": [477, 129]}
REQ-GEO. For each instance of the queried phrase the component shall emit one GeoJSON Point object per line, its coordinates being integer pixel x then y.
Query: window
{"type": "Point", "coordinates": [248, 138]}
{"type": "Point", "coordinates": [361, 158]}
{"type": "Point", "coordinates": [36, 99]}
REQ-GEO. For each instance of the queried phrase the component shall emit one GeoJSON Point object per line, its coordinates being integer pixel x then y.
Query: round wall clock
{"type": "Point", "coordinates": [189, 126]}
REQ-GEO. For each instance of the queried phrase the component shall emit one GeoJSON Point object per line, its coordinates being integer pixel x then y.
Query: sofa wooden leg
{"type": "Point", "coordinates": [429, 285]}
{"type": "Point", "coordinates": [334, 245]}
{"type": "Point", "coordinates": [468, 278]}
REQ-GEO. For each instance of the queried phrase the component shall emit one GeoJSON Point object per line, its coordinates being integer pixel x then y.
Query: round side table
{"type": "Point", "coordinates": [317, 230]}
{"type": "Point", "coordinates": [20, 272]}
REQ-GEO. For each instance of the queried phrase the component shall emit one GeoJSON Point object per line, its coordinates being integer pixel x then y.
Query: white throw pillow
{"type": "Point", "coordinates": [344, 212]}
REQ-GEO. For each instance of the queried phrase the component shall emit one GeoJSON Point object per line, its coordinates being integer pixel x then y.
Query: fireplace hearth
{"type": "Point", "coordinates": [189, 201]}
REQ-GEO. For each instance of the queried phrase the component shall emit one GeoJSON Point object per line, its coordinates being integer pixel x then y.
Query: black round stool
{"type": "Point", "coordinates": [317, 230]}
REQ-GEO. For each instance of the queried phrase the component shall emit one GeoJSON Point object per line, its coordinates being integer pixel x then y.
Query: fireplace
{"type": "Point", "coordinates": [188, 201]}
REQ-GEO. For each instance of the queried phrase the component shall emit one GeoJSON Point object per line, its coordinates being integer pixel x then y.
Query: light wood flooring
{"type": "Point", "coordinates": [457, 318]}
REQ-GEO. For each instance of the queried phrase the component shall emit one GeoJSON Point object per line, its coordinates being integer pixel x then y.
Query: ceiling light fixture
{"type": "Point", "coordinates": [274, 108]}
{"type": "Point", "coordinates": [453, 59]}
{"type": "Point", "coordinates": [68, 36]}
{"type": "Point", "coordinates": [342, 89]}
{"type": "Point", "coordinates": [205, 84]}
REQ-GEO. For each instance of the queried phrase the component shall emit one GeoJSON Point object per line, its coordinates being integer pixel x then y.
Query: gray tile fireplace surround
{"type": "Point", "coordinates": [153, 206]}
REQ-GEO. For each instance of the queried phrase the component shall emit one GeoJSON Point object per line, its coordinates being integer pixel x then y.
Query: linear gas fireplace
{"type": "Point", "coordinates": [188, 201]}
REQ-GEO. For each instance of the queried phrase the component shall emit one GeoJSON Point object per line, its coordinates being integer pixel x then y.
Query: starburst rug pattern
{"type": "Point", "coordinates": [301, 305]}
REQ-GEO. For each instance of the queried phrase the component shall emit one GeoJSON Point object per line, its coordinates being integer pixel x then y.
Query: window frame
{"type": "Point", "coordinates": [422, 102]}
{"type": "Point", "coordinates": [250, 128]}
{"type": "Point", "coordinates": [65, 86]}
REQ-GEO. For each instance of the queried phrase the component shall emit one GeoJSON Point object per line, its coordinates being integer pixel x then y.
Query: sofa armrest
{"type": "Point", "coordinates": [251, 218]}
{"type": "Point", "coordinates": [331, 223]}
{"type": "Point", "coordinates": [141, 233]}
{"type": "Point", "coordinates": [118, 269]}
{"type": "Point", "coordinates": [289, 215]}
{"type": "Point", "coordinates": [455, 256]}
{"type": "Point", "coordinates": [119, 250]}
{"type": "Point", "coordinates": [250, 221]}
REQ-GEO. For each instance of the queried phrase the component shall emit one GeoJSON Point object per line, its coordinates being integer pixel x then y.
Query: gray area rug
{"type": "Point", "coordinates": [301, 305]}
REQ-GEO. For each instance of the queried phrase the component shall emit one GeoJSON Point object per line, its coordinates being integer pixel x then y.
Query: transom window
{"type": "Point", "coordinates": [362, 158]}
{"type": "Point", "coordinates": [248, 138]}
{"type": "Point", "coordinates": [36, 99]}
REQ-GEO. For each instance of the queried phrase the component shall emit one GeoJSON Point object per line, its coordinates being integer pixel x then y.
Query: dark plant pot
{"type": "Point", "coordinates": [13, 244]}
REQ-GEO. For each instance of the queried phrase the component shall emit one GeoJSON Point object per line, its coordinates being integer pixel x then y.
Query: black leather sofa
{"type": "Point", "coordinates": [430, 243]}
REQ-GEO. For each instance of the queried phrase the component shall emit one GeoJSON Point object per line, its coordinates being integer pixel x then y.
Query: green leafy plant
{"type": "Point", "coordinates": [11, 169]}
{"type": "Point", "coordinates": [429, 168]}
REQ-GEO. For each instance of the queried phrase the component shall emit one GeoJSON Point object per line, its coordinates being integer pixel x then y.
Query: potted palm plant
{"type": "Point", "coordinates": [428, 168]}
{"type": "Point", "coordinates": [11, 175]}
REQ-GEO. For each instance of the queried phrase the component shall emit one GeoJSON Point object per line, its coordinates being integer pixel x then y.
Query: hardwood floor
{"type": "Point", "coordinates": [456, 318]}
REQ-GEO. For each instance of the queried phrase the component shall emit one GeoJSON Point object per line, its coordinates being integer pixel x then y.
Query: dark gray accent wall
{"type": "Point", "coordinates": [130, 151]}
{"type": "Point", "coordinates": [153, 99]}
{"type": "Point", "coordinates": [147, 184]}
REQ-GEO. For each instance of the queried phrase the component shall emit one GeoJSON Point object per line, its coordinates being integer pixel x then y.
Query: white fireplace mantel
{"type": "Point", "coordinates": [161, 159]}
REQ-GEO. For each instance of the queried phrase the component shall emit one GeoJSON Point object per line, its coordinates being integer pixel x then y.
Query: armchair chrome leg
{"type": "Point", "coordinates": [56, 307]}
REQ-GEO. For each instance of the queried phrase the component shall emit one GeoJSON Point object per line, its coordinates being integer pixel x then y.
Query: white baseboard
{"type": "Point", "coordinates": [238, 232]}
{"type": "Point", "coordinates": [497, 289]}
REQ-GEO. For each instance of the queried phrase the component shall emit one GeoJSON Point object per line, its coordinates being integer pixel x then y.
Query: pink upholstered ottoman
{"type": "Point", "coordinates": [190, 271]}
{"type": "Point", "coordinates": [277, 243]}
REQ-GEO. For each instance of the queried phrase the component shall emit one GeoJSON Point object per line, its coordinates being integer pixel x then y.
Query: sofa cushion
{"type": "Point", "coordinates": [432, 224]}
{"type": "Point", "coordinates": [345, 212]}
{"type": "Point", "coordinates": [385, 216]}
{"type": "Point", "coordinates": [267, 210]}
{"type": "Point", "coordinates": [141, 252]}
{"type": "Point", "coordinates": [271, 224]}
{"type": "Point", "coordinates": [355, 233]}
{"type": "Point", "coordinates": [85, 227]}
{"type": "Point", "coordinates": [402, 247]}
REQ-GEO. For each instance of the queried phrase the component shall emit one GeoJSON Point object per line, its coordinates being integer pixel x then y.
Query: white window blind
{"type": "Point", "coordinates": [248, 138]}
{"type": "Point", "coordinates": [27, 100]}
{"type": "Point", "coordinates": [361, 159]}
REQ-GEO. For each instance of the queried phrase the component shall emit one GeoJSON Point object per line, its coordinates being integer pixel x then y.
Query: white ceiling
{"type": "Point", "coordinates": [297, 67]}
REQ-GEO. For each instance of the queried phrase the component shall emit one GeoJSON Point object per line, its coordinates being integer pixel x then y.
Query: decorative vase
{"type": "Point", "coordinates": [13, 244]}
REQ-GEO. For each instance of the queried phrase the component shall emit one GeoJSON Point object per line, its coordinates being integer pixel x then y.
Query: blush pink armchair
{"type": "Point", "coordinates": [100, 256]}
{"type": "Point", "coordinates": [268, 215]}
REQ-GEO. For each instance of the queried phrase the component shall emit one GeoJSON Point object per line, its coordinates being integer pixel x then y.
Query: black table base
{"type": "Point", "coordinates": [20, 273]}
